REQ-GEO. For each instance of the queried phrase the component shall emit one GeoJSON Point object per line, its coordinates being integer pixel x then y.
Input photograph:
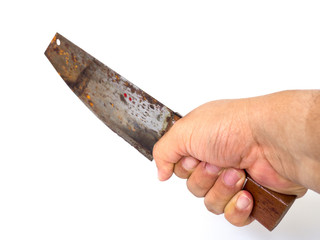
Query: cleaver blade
{"type": "Point", "coordinates": [127, 110]}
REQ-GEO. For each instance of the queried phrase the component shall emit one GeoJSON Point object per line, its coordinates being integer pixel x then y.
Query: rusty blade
{"type": "Point", "coordinates": [127, 110]}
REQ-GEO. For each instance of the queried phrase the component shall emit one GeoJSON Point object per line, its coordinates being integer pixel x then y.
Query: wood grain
{"type": "Point", "coordinates": [269, 206]}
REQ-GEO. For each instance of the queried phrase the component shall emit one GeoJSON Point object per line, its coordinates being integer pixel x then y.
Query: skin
{"type": "Point", "coordinates": [275, 138]}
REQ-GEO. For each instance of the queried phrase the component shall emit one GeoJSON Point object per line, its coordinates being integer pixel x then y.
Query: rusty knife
{"type": "Point", "coordinates": [137, 117]}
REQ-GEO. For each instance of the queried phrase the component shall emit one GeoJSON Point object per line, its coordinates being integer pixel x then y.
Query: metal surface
{"type": "Point", "coordinates": [130, 112]}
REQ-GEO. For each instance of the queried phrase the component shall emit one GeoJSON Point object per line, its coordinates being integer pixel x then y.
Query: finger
{"type": "Point", "coordinates": [227, 185]}
{"type": "Point", "coordinates": [202, 179]}
{"type": "Point", "coordinates": [170, 149]}
{"type": "Point", "coordinates": [185, 167]}
{"type": "Point", "coordinates": [165, 166]}
{"type": "Point", "coordinates": [238, 210]}
{"type": "Point", "coordinates": [165, 170]}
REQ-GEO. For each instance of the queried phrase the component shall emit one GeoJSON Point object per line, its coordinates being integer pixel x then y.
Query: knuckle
{"type": "Point", "coordinates": [193, 186]}
{"type": "Point", "coordinates": [197, 181]}
{"type": "Point", "coordinates": [197, 193]}
{"type": "Point", "coordinates": [210, 205]}
{"type": "Point", "coordinates": [230, 218]}
{"type": "Point", "coordinates": [155, 152]}
{"type": "Point", "coordinates": [234, 221]}
{"type": "Point", "coordinates": [196, 188]}
{"type": "Point", "coordinates": [180, 173]}
{"type": "Point", "coordinates": [238, 222]}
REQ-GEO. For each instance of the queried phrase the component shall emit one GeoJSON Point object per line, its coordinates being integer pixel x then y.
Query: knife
{"type": "Point", "coordinates": [137, 117]}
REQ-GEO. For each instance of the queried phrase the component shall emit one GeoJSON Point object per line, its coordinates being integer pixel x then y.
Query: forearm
{"type": "Point", "coordinates": [287, 126]}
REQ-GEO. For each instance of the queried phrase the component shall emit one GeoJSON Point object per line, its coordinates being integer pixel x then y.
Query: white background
{"type": "Point", "coordinates": [64, 175]}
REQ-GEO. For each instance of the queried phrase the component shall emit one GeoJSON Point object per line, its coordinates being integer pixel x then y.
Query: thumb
{"type": "Point", "coordinates": [169, 150]}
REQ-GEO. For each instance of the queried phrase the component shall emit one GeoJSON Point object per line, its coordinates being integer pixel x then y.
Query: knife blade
{"type": "Point", "coordinates": [127, 110]}
{"type": "Point", "coordinates": [137, 117]}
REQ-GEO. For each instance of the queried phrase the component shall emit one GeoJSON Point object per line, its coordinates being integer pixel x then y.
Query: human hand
{"type": "Point", "coordinates": [213, 144]}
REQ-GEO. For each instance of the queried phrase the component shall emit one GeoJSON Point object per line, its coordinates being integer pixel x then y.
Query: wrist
{"type": "Point", "coordinates": [282, 124]}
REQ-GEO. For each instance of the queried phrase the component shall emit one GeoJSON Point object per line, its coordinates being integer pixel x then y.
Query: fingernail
{"type": "Point", "coordinates": [231, 177]}
{"type": "Point", "coordinates": [189, 163]}
{"type": "Point", "coordinates": [243, 202]}
{"type": "Point", "coordinates": [212, 169]}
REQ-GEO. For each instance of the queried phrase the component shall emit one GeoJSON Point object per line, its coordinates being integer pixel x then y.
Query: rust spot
{"type": "Point", "coordinates": [88, 96]}
{"type": "Point", "coordinates": [122, 99]}
{"type": "Point", "coordinates": [176, 117]}
{"type": "Point", "coordinates": [120, 118]}
{"type": "Point", "coordinates": [53, 41]}
{"type": "Point", "coordinates": [91, 104]}
{"type": "Point", "coordinates": [171, 120]}
{"type": "Point", "coordinates": [74, 58]}
{"type": "Point", "coordinates": [56, 49]}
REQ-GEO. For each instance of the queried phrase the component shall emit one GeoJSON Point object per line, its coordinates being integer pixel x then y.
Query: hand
{"type": "Point", "coordinates": [258, 135]}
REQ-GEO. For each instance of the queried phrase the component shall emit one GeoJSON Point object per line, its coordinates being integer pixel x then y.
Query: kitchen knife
{"type": "Point", "coordinates": [137, 117]}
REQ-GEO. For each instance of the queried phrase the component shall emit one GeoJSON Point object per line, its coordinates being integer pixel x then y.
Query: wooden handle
{"type": "Point", "coordinates": [269, 206]}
